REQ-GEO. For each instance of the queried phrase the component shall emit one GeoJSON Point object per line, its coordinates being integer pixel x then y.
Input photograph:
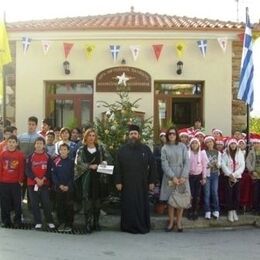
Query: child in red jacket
{"type": "Point", "coordinates": [11, 179]}
{"type": "Point", "coordinates": [38, 171]}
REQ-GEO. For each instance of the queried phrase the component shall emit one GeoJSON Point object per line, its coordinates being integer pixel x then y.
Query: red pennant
{"type": "Point", "coordinates": [241, 37]}
{"type": "Point", "coordinates": [157, 48]}
{"type": "Point", "coordinates": [67, 48]}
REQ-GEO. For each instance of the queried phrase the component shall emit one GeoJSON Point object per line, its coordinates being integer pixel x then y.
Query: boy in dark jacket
{"type": "Point", "coordinates": [38, 171]}
{"type": "Point", "coordinates": [11, 179]}
{"type": "Point", "coordinates": [63, 174]}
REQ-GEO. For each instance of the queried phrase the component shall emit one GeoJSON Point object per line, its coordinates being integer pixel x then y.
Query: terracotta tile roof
{"type": "Point", "coordinates": [125, 21]}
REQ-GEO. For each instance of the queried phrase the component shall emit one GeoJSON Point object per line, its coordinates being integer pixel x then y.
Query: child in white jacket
{"type": "Point", "coordinates": [233, 166]}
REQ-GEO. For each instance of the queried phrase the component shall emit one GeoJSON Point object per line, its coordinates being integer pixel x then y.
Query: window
{"type": "Point", "coordinates": [69, 103]}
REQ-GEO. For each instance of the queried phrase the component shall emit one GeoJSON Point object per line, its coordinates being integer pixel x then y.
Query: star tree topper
{"type": "Point", "coordinates": [122, 79]}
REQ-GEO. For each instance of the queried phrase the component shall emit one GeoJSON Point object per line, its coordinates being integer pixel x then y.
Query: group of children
{"type": "Point", "coordinates": [45, 160]}
{"type": "Point", "coordinates": [44, 167]}
{"type": "Point", "coordinates": [211, 156]}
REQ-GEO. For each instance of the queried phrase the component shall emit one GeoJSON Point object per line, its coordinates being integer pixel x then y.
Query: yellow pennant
{"type": "Point", "coordinates": [5, 55]}
{"type": "Point", "coordinates": [89, 50]}
{"type": "Point", "coordinates": [180, 48]}
{"type": "Point", "coordinates": [256, 35]}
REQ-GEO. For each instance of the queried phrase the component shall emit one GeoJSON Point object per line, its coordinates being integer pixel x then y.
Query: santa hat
{"type": "Point", "coordinates": [162, 134]}
{"type": "Point", "coordinates": [194, 139]}
{"type": "Point", "coordinates": [199, 133]}
{"type": "Point", "coordinates": [220, 141]}
{"type": "Point", "coordinates": [183, 132]}
{"type": "Point", "coordinates": [257, 141]}
{"type": "Point", "coordinates": [231, 141]}
{"type": "Point", "coordinates": [241, 141]}
{"type": "Point", "coordinates": [254, 138]}
{"type": "Point", "coordinates": [244, 135]}
{"type": "Point", "coordinates": [215, 130]}
{"type": "Point", "coordinates": [209, 138]}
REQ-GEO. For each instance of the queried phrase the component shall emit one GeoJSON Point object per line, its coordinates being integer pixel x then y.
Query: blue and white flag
{"type": "Point", "coordinates": [114, 51]}
{"type": "Point", "coordinates": [26, 41]}
{"type": "Point", "coordinates": [246, 88]}
{"type": "Point", "coordinates": [202, 44]}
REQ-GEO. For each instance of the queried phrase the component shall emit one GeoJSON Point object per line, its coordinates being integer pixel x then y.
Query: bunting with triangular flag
{"type": "Point", "coordinates": [89, 50]}
{"type": "Point", "coordinates": [114, 49]}
{"type": "Point", "coordinates": [45, 46]}
{"type": "Point", "coordinates": [256, 35]}
{"type": "Point", "coordinates": [157, 48]}
{"type": "Point", "coordinates": [202, 44]}
{"type": "Point", "coordinates": [180, 48]}
{"type": "Point", "coordinates": [135, 50]}
{"type": "Point", "coordinates": [26, 41]}
{"type": "Point", "coordinates": [5, 58]}
{"type": "Point", "coordinates": [67, 48]}
{"type": "Point", "coordinates": [5, 54]}
{"type": "Point", "coordinates": [223, 43]}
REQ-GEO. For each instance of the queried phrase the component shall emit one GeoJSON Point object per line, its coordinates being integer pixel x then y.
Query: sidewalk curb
{"type": "Point", "coordinates": [158, 222]}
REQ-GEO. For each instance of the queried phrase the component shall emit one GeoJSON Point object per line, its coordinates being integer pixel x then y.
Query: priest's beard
{"type": "Point", "coordinates": [134, 142]}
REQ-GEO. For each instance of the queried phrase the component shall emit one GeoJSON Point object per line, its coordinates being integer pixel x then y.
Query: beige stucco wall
{"type": "Point", "coordinates": [33, 68]}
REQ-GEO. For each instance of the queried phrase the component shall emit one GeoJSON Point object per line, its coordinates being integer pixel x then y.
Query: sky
{"type": "Point", "coordinates": [225, 10]}
{"type": "Point", "coordinates": [216, 9]}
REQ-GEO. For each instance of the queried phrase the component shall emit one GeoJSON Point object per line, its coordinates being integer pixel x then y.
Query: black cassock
{"type": "Point", "coordinates": [135, 169]}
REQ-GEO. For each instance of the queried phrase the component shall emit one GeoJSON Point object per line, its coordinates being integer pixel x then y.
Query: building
{"type": "Point", "coordinates": [157, 56]}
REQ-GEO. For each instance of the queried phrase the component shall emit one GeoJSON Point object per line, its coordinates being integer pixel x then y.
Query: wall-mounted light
{"type": "Point", "coordinates": [66, 67]}
{"type": "Point", "coordinates": [123, 61]}
{"type": "Point", "coordinates": [179, 67]}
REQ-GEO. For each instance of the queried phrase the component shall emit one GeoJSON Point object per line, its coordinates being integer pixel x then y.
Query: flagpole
{"type": "Point", "coordinates": [247, 128]}
{"type": "Point", "coordinates": [4, 99]}
{"type": "Point", "coordinates": [4, 89]}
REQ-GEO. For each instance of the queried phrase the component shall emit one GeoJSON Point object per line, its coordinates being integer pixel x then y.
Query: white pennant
{"type": "Point", "coordinates": [135, 51]}
{"type": "Point", "coordinates": [26, 41]}
{"type": "Point", "coordinates": [114, 49]}
{"type": "Point", "coordinates": [202, 44]}
{"type": "Point", "coordinates": [45, 46]}
{"type": "Point", "coordinates": [223, 43]}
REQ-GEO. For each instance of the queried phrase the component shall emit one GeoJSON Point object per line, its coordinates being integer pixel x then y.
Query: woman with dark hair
{"type": "Point", "coordinates": [233, 166]}
{"type": "Point", "coordinates": [175, 165]}
{"type": "Point", "coordinates": [65, 135]}
{"type": "Point", "coordinates": [75, 135]}
{"type": "Point", "coordinates": [88, 157]}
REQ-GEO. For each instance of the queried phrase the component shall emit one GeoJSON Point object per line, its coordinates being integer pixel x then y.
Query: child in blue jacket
{"type": "Point", "coordinates": [63, 174]}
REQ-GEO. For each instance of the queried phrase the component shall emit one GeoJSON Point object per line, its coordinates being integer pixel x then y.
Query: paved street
{"type": "Point", "coordinates": [192, 244]}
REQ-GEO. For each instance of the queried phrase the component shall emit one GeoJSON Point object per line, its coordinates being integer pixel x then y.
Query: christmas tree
{"type": "Point", "coordinates": [113, 127]}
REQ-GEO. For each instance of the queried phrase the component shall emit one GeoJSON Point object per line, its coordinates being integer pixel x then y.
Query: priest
{"type": "Point", "coordinates": [135, 175]}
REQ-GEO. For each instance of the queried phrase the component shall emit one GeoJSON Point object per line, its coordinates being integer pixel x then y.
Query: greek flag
{"type": "Point", "coordinates": [246, 88]}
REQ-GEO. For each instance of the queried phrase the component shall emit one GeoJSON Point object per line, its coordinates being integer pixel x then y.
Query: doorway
{"type": "Point", "coordinates": [185, 111]}
{"type": "Point", "coordinates": [177, 103]}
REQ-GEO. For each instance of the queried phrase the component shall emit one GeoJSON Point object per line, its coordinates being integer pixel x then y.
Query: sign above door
{"type": "Point", "coordinates": [135, 79]}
